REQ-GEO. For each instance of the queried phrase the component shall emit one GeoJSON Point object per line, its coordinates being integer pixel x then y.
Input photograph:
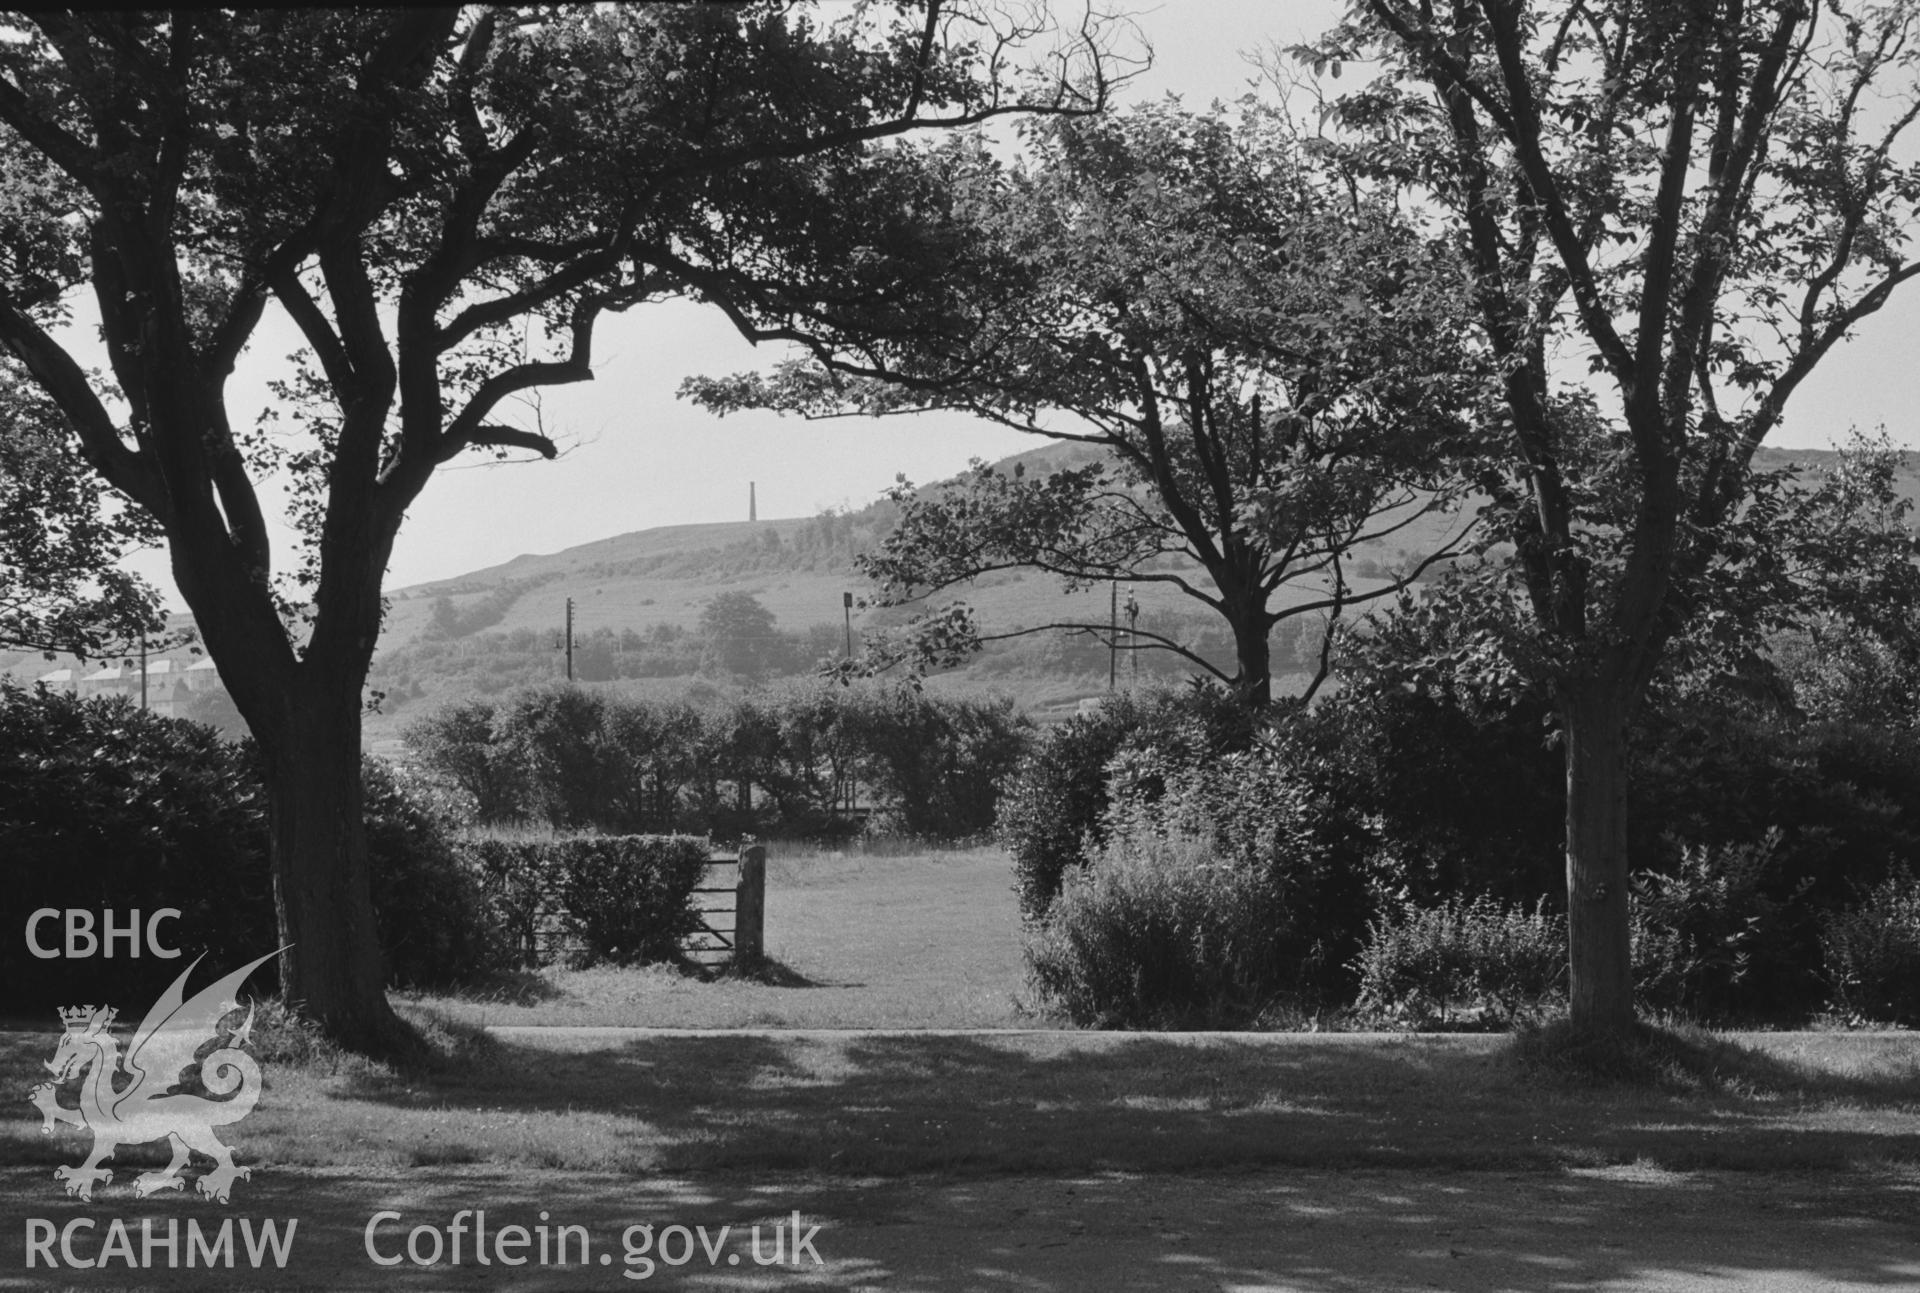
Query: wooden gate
{"type": "Point", "coordinates": [732, 898]}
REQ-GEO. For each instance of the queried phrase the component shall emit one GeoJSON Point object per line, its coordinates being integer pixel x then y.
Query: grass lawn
{"type": "Point", "coordinates": [1017, 1159]}
{"type": "Point", "coordinates": [857, 939]}
{"type": "Point", "coordinates": [898, 1104]}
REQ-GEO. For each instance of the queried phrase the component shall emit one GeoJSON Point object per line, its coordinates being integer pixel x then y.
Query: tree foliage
{"type": "Point", "coordinates": [1267, 357]}
{"type": "Point", "coordinates": [737, 635]}
{"type": "Point", "coordinates": [444, 201]}
{"type": "Point", "coordinates": [1702, 200]}
{"type": "Point", "coordinates": [62, 539]}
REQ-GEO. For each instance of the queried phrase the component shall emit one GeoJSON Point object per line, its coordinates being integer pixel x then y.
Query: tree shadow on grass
{"type": "Point", "coordinates": [1085, 1160]}
{"type": "Point", "coordinates": [1686, 1059]}
{"type": "Point", "coordinates": [900, 1103]}
{"type": "Point", "coordinates": [1308, 1232]}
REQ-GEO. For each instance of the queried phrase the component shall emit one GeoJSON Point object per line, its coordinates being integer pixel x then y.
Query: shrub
{"type": "Point", "coordinates": [1052, 803]}
{"type": "Point", "coordinates": [457, 742]}
{"type": "Point", "coordinates": [1870, 954]}
{"type": "Point", "coordinates": [1258, 814]}
{"type": "Point", "coordinates": [810, 760]}
{"type": "Point", "coordinates": [555, 739]}
{"type": "Point", "coordinates": [1159, 931]}
{"type": "Point", "coordinates": [435, 924]}
{"type": "Point", "coordinates": [103, 805]}
{"type": "Point", "coordinates": [1708, 937]}
{"type": "Point", "coordinates": [1210, 896]}
{"type": "Point", "coordinates": [1467, 959]}
{"type": "Point", "coordinates": [1846, 796]}
{"type": "Point", "coordinates": [629, 898]}
{"type": "Point", "coordinates": [514, 881]}
{"type": "Point", "coordinates": [1430, 797]}
{"type": "Point", "coordinates": [936, 763]}
{"type": "Point", "coordinates": [664, 750]}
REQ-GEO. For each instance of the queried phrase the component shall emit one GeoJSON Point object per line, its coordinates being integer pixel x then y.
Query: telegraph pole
{"type": "Point", "coordinates": [846, 605]}
{"type": "Point", "coordinates": [1113, 631]}
{"type": "Point", "coordinates": [143, 670]}
{"type": "Point", "coordinates": [1133, 637]}
{"type": "Point", "coordinates": [569, 639]}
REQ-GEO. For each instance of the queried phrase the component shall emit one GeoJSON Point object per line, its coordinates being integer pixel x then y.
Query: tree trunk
{"type": "Point", "coordinates": [1252, 651]}
{"type": "Point", "coordinates": [333, 966]}
{"type": "Point", "coordinates": [1599, 960]}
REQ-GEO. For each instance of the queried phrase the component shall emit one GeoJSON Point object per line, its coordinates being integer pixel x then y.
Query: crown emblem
{"type": "Point", "coordinates": [80, 1018]}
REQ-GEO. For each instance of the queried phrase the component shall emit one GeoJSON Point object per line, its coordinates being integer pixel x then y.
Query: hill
{"type": "Point", "coordinates": [638, 596]}
{"type": "Point", "coordinates": [638, 599]}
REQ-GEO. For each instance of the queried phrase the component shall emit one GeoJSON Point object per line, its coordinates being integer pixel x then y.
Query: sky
{"type": "Point", "coordinates": [637, 457]}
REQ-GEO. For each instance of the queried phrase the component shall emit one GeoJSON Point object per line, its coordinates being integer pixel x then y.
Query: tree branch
{"type": "Point", "coordinates": [504, 437]}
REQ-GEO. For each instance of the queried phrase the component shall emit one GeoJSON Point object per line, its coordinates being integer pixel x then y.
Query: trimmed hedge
{"type": "Point", "coordinates": [630, 897]}
{"type": "Point", "coordinates": [106, 806]}
{"type": "Point", "coordinates": [778, 761]}
{"type": "Point", "coordinates": [627, 898]}
{"type": "Point", "coordinates": [435, 925]}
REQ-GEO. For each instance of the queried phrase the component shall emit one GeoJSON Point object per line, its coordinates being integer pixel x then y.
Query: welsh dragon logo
{"type": "Point", "coordinates": [147, 1107]}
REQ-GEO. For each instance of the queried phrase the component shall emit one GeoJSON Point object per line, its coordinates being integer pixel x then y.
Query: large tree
{"type": "Point", "coordinates": [444, 202]}
{"type": "Point", "coordinates": [1672, 213]}
{"type": "Point", "coordinates": [1267, 358]}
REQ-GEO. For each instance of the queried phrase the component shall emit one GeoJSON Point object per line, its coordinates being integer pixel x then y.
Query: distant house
{"type": "Point", "coordinates": [171, 684]}
{"type": "Point", "coordinates": [166, 688]}
{"type": "Point", "coordinates": [112, 678]}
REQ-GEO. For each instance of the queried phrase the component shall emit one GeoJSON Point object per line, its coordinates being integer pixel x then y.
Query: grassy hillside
{"type": "Point", "coordinates": [501, 626]}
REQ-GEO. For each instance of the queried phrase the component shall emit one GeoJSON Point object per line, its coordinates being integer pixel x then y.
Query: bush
{"type": "Point", "coordinates": [936, 764]}
{"type": "Point", "coordinates": [103, 805]}
{"type": "Point", "coordinates": [1709, 938]}
{"type": "Point", "coordinates": [576, 759]}
{"type": "Point", "coordinates": [555, 740]}
{"type": "Point", "coordinates": [1870, 954]}
{"type": "Point", "coordinates": [1052, 803]}
{"type": "Point", "coordinates": [435, 924]}
{"type": "Point", "coordinates": [1158, 932]}
{"type": "Point", "coordinates": [457, 742]}
{"type": "Point", "coordinates": [1430, 798]}
{"type": "Point", "coordinates": [1258, 814]}
{"type": "Point", "coordinates": [1210, 897]}
{"type": "Point", "coordinates": [629, 898]}
{"type": "Point", "coordinates": [514, 879]}
{"type": "Point", "coordinates": [1471, 960]}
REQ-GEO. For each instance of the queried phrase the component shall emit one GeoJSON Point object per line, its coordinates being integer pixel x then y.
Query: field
{"type": "Point", "coordinates": [857, 940]}
{"type": "Point", "coordinates": [886, 1085]}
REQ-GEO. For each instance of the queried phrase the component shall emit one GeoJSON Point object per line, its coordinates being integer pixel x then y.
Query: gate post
{"type": "Point", "coordinates": [750, 908]}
